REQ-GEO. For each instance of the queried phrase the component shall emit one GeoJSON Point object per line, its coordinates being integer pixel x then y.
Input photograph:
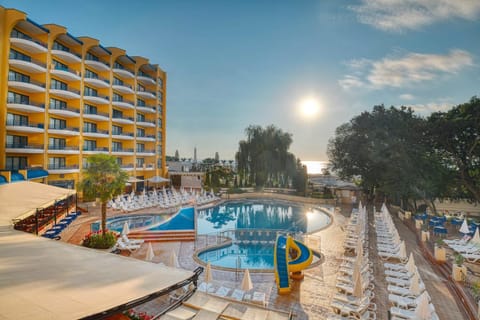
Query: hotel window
{"type": "Point", "coordinates": [56, 84]}
{"type": "Point", "coordinates": [159, 149]}
{"type": "Point", "coordinates": [14, 54]}
{"type": "Point", "coordinates": [119, 161]}
{"type": "Point", "coordinates": [84, 163]}
{"type": "Point", "coordinates": [89, 145]}
{"type": "Point", "coordinates": [140, 147]}
{"type": "Point", "coordinates": [160, 96]}
{"type": "Point", "coordinates": [117, 130]}
{"type": "Point", "coordinates": [140, 162]}
{"type": "Point", "coordinates": [90, 92]}
{"type": "Point", "coordinates": [17, 141]}
{"type": "Point", "coordinates": [58, 104]}
{"type": "Point", "coordinates": [140, 88]}
{"type": "Point", "coordinates": [59, 66]}
{"type": "Point", "coordinates": [89, 127]}
{"type": "Point", "coordinates": [140, 132]}
{"type": "Point", "coordinates": [159, 122]}
{"type": "Point", "coordinates": [159, 163]}
{"type": "Point", "coordinates": [16, 163]}
{"type": "Point", "coordinates": [88, 109]}
{"type": "Point", "coordinates": [117, 81]}
{"type": "Point", "coordinates": [140, 117]}
{"type": "Point", "coordinates": [56, 163]}
{"type": "Point", "coordinates": [16, 120]}
{"type": "Point", "coordinates": [18, 34]}
{"type": "Point", "coordinates": [117, 114]}
{"type": "Point", "coordinates": [90, 74]}
{"type": "Point", "coordinates": [159, 135]}
{"type": "Point", "coordinates": [118, 66]}
{"type": "Point", "coordinates": [58, 46]}
{"type": "Point", "coordinates": [14, 97]}
{"type": "Point", "coordinates": [116, 146]}
{"type": "Point", "coordinates": [92, 57]}
{"type": "Point", "coordinates": [56, 143]}
{"type": "Point", "coordinates": [140, 103]}
{"type": "Point", "coordinates": [57, 123]}
{"type": "Point", "coordinates": [17, 76]}
{"type": "Point", "coordinates": [117, 97]}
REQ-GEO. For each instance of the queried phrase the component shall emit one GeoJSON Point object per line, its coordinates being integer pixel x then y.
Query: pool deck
{"type": "Point", "coordinates": [310, 298]}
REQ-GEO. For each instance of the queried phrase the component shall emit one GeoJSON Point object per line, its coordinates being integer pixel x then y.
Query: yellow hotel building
{"type": "Point", "coordinates": [63, 98]}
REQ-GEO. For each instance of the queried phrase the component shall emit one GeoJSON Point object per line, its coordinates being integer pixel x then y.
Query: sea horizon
{"type": "Point", "coordinates": [315, 166]}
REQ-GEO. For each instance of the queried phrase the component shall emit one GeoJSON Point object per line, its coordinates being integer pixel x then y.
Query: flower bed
{"type": "Point", "coordinates": [97, 240]}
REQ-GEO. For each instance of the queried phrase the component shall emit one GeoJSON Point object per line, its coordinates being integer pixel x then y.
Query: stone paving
{"type": "Point", "coordinates": [310, 298]}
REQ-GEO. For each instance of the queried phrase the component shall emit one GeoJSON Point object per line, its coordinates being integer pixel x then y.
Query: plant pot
{"type": "Point", "coordinates": [440, 254]}
{"type": "Point", "coordinates": [418, 224]}
{"type": "Point", "coordinates": [408, 215]}
{"type": "Point", "coordinates": [459, 272]}
{"type": "Point", "coordinates": [425, 236]}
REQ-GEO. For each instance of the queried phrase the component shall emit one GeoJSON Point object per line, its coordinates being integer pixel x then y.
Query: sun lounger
{"type": "Point", "coordinates": [127, 240]}
{"type": "Point", "coordinates": [404, 292]}
{"type": "Point", "coordinates": [398, 274]}
{"type": "Point", "coordinates": [238, 294]}
{"type": "Point", "coordinates": [410, 314]}
{"type": "Point", "coordinates": [206, 287]}
{"type": "Point", "coordinates": [349, 309]}
{"type": "Point", "coordinates": [408, 302]}
{"type": "Point", "coordinates": [123, 246]}
{"type": "Point", "coordinates": [367, 315]}
{"type": "Point", "coordinates": [471, 257]}
{"type": "Point", "coordinates": [222, 291]}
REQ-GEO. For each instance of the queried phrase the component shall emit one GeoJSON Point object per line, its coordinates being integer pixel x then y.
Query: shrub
{"type": "Point", "coordinates": [96, 240]}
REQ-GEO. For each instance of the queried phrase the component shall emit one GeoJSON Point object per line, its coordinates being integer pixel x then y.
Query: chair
{"type": "Point", "coordinates": [123, 246]}
{"type": "Point", "coordinates": [127, 240]}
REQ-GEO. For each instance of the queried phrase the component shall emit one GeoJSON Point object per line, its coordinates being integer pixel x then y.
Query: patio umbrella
{"type": "Point", "coordinates": [126, 229]}
{"type": "Point", "coordinates": [476, 238]}
{"type": "Point", "coordinates": [403, 251]}
{"type": "Point", "coordinates": [359, 249]}
{"type": "Point", "coordinates": [357, 285]}
{"type": "Point", "coordinates": [246, 282]}
{"type": "Point", "coordinates": [422, 311]}
{"type": "Point", "coordinates": [411, 267]}
{"type": "Point", "coordinates": [414, 284]}
{"type": "Point", "coordinates": [173, 262]}
{"type": "Point", "coordinates": [464, 228]}
{"type": "Point", "coordinates": [150, 253]}
{"type": "Point", "coordinates": [208, 273]}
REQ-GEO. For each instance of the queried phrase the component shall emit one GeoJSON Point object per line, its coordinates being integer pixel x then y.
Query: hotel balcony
{"type": "Point", "coordinates": [97, 82]}
{"type": "Point", "coordinates": [67, 56]}
{"type": "Point", "coordinates": [67, 93]}
{"type": "Point", "coordinates": [146, 138]}
{"type": "Point", "coordinates": [28, 65]}
{"type": "Point", "coordinates": [29, 45]}
{"type": "Point", "coordinates": [56, 169]}
{"type": "Point", "coordinates": [64, 111]}
{"type": "Point", "coordinates": [123, 152]}
{"type": "Point", "coordinates": [123, 88]}
{"type": "Point", "coordinates": [146, 167]}
{"type": "Point", "coordinates": [145, 79]}
{"type": "Point", "coordinates": [96, 134]}
{"type": "Point", "coordinates": [97, 65]}
{"type": "Point", "coordinates": [65, 73]}
{"type": "Point", "coordinates": [25, 106]}
{"type": "Point", "coordinates": [145, 152]}
{"type": "Point", "coordinates": [123, 119]}
{"type": "Point", "coordinates": [146, 123]}
{"type": "Point", "coordinates": [66, 131]}
{"type": "Point", "coordinates": [146, 94]}
{"type": "Point", "coordinates": [124, 104]}
{"type": "Point", "coordinates": [21, 148]}
{"type": "Point", "coordinates": [95, 150]}
{"type": "Point", "coordinates": [123, 136]}
{"type": "Point", "coordinates": [26, 85]}
{"type": "Point", "coordinates": [25, 126]}
{"type": "Point", "coordinates": [99, 116]}
{"type": "Point", "coordinates": [124, 73]}
{"type": "Point", "coordinates": [54, 149]}
{"type": "Point", "coordinates": [127, 167]}
{"type": "Point", "coordinates": [146, 109]}
{"type": "Point", "coordinates": [96, 99]}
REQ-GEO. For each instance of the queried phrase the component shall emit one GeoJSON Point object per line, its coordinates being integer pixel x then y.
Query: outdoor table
{"type": "Point", "coordinates": [440, 230]}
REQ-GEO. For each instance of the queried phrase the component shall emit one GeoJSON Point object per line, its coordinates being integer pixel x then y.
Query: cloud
{"type": "Point", "coordinates": [406, 96]}
{"type": "Point", "coordinates": [428, 108]}
{"type": "Point", "coordinates": [400, 15]}
{"type": "Point", "coordinates": [404, 71]}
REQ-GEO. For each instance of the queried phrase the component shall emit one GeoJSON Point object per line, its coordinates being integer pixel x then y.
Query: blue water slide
{"type": "Point", "coordinates": [281, 265]}
{"type": "Point", "coordinates": [303, 258]}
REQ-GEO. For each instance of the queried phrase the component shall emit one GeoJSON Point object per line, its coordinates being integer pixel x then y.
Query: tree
{"type": "Point", "coordinates": [103, 179]}
{"type": "Point", "coordinates": [177, 155]}
{"type": "Point", "coordinates": [217, 157]}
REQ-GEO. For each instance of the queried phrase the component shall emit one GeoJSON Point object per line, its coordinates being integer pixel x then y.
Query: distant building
{"type": "Point", "coordinates": [187, 180]}
{"type": "Point", "coordinates": [344, 191]}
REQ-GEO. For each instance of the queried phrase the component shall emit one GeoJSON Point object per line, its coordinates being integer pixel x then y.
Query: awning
{"type": "Point", "coordinates": [133, 179]}
{"type": "Point", "coordinates": [158, 179]}
{"type": "Point", "coordinates": [36, 174]}
{"type": "Point", "coordinates": [16, 176]}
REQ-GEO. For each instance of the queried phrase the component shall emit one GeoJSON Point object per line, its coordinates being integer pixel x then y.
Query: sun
{"type": "Point", "coordinates": [309, 108]}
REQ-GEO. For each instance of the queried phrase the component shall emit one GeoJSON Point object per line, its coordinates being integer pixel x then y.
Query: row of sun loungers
{"type": "Point", "coordinates": [468, 247]}
{"type": "Point", "coordinates": [55, 231]}
{"type": "Point", "coordinates": [406, 291]}
{"type": "Point", "coordinates": [355, 286]}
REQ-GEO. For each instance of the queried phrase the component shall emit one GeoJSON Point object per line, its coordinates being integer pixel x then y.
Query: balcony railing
{"type": "Point", "coordinates": [145, 121]}
{"type": "Point", "coordinates": [28, 103]}
{"type": "Point", "coordinates": [26, 123]}
{"type": "Point", "coordinates": [127, 166]}
{"type": "Point", "coordinates": [25, 80]}
{"type": "Point", "coordinates": [101, 149]}
{"type": "Point", "coordinates": [67, 69]}
{"type": "Point", "coordinates": [29, 59]}
{"type": "Point", "coordinates": [58, 107]}
{"type": "Point", "coordinates": [65, 89]}
{"type": "Point", "coordinates": [116, 83]}
{"type": "Point", "coordinates": [24, 146]}
{"type": "Point", "coordinates": [98, 60]}
{"type": "Point", "coordinates": [143, 74]}
{"type": "Point", "coordinates": [105, 114]}
{"type": "Point", "coordinates": [97, 77]}
{"type": "Point", "coordinates": [96, 131]}
{"type": "Point", "coordinates": [146, 150]}
{"type": "Point", "coordinates": [63, 128]}
{"type": "Point", "coordinates": [122, 117]}
{"type": "Point", "coordinates": [128, 134]}
{"type": "Point", "coordinates": [62, 167]}
{"type": "Point", "coordinates": [122, 150]}
{"type": "Point", "coordinates": [66, 148]}
{"type": "Point", "coordinates": [25, 37]}
{"type": "Point", "coordinates": [65, 49]}
{"type": "Point", "coordinates": [151, 136]}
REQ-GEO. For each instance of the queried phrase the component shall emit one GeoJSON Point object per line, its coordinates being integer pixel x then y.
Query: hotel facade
{"type": "Point", "coordinates": [63, 98]}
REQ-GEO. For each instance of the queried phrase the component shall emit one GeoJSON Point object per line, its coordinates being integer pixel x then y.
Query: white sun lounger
{"type": "Point", "coordinates": [410, 314]}
{"type": "Point", "coordinates": [404, 292]}
{"type": "Point", "coordinates": [407, 302]}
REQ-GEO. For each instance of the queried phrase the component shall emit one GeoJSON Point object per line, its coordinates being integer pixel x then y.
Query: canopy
{"type": "Point", "coordinates": [133, 179]}
{"type": "Point", "coordinates": [158, 179]}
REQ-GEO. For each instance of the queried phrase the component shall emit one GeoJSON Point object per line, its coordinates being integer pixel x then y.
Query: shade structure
{"type": "Point", "coordinates": [422, 311]}
{"type": "Point", "coordinates": [158, 179]}
{"type": "Point", "coordinates": [411, 267]}
{"type": "Point", "coordinates": [208, 273]}
{"type": "Point", "coordinates": [403, 251]}
{"type": "Point", "coordinates": [246, 281]}
{"type": "Point", "coordinates": [357, 285]}
{"type": "Point", "coordinates": [133, 179]}
{"type": "Point", "coordinates": [359, 249]}
{"type": "Point", "coordinates": [150, 254]}
{"type": "Point", "coordinates": [464, 228]}
{"type": "Point", "coordinates": [126, 229]}
{"type": "Point", "coordinates": [476, 238]}
{"type": "Point", "coordinates": [414, 284]}
{"type": "Point", "coordinates": [173, 262]}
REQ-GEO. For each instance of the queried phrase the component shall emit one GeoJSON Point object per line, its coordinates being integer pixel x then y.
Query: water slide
{"type": "Point", "coordinates": [284, 264]}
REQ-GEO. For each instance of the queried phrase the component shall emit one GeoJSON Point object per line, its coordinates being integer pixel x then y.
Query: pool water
{"type": "Point", "coordinates": [134, 221]}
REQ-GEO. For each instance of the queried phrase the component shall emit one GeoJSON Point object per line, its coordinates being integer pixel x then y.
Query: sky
{"type": "Point", "coordinates": [231, 64]}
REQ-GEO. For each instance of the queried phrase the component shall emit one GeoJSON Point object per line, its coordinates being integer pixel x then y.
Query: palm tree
{"type": "Point", "coordinates": [103, 179]}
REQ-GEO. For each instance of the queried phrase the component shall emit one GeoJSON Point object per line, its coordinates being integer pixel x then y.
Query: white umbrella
{"type": "Point", "coordinates": [150, 253]}
{"type": "Point", "coordinates": [422, 311]}
{"type": "Point", "coordinates": [359, 249]}
{"type": "Point", "coordinates": [246, 282]}
{"type": "Point", "coordinates": [476, 238]}
{"type": "Point", "coordinates": [464, 228]}
{"type": "Point", "coordinates": [126, 229]}
{"type": "Point", "coordinates": [173, 262]}
{"type": "Point", "coordinates": [403, 251]}
{"type": "Point", "coordinates": [414, 284]}
{"type": "Point", "coordinates": [357, 285]}
{"type": "Point", "coordinates": [208, 273]}
{"type": "Point", "coordinates": [411, 267]}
